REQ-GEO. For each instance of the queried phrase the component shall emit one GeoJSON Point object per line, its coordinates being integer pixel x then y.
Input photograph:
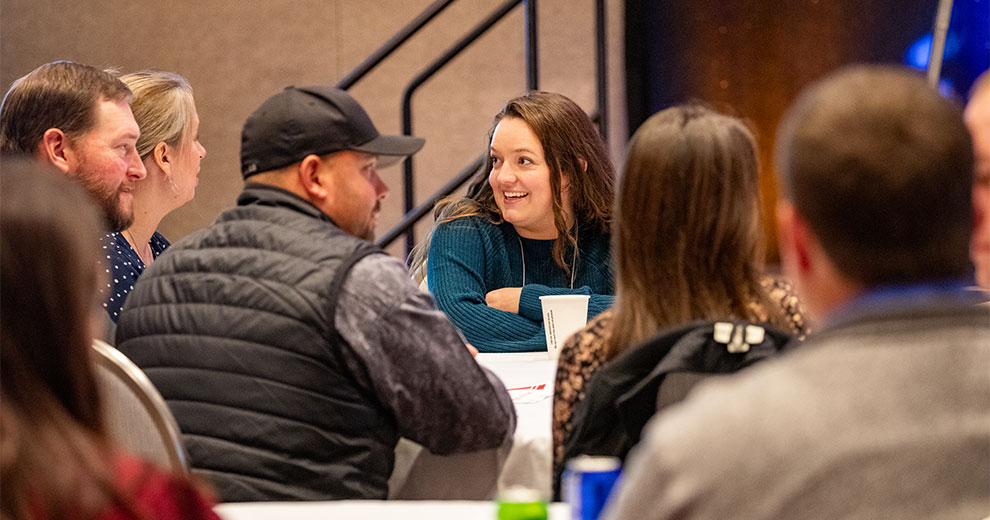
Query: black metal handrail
{"type": "Point", "coordinates": [532, 50]}
{"type": "Point", "coordinates": [412, 217]}
{"type": "Point", "coordinates": [532, 83]}
{"type": "Point", "coordinates": [393, 43]}
{"type": "Point", "coordinates": [601, 68]}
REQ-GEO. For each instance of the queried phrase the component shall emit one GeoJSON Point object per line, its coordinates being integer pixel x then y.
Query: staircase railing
{"type": "Point", "coordinates": [394, 43]}
{"type": "Point", "coordinates": [481, 28]}
{"type": "Point", "coordinates": [412, 217]}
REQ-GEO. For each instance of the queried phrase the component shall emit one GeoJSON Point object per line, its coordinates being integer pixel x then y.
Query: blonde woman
{"type": "Point", "coordinates": [169, 146]}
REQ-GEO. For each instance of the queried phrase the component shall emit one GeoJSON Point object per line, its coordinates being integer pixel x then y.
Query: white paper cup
{"type": "Point", "coordinates": [562, 316]}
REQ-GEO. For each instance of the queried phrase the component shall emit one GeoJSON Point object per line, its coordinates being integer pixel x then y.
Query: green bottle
{"type": "Point", "coordinates": [519, 503]}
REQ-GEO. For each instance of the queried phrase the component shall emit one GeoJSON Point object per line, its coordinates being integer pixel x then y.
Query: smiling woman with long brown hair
{"type": "Point", "coordinates": [535, 222]}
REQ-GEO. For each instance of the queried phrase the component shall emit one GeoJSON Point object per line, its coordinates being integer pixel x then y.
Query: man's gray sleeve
{"type": "Point", "coordinates": [413, 358]}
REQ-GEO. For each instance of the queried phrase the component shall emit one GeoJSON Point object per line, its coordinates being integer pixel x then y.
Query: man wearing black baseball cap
{"type": "Point", "coordinates": [319, 121]}
{"type": "Point", "coordinates": [293, 352]}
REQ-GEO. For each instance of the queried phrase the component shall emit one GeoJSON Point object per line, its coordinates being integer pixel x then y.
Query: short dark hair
{"type": "Point", "coordinates": [880, 166]}
{"type": "Point", "coordinates": [62, 95]}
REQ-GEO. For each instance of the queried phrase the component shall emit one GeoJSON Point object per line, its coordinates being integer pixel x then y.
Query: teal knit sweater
{"type": "Point", "coordinates": [470, 256]}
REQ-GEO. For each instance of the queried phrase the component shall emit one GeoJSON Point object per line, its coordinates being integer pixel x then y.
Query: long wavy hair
{"type": "Point", "coordinates": [53, 447]}
{"type": "Point", "coordinates": [687, 242]}
{"type": "Point", "coordinates": [572, 147]}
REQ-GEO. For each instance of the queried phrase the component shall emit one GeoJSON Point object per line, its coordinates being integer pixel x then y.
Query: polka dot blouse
{"type": "Point", "coordinates": [123, 266]}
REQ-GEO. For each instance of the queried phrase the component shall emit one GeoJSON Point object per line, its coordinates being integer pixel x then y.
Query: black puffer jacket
{"type": "Point", "coordinates": [625, 393]}
{"type": "Point", "coordinates": [234, 325]}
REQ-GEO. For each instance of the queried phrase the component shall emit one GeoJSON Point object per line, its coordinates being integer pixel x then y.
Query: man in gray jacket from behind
{"type": "Point", "coordinates": [293, 352]}
{"type": "Point", "coordinates": [884, 412]}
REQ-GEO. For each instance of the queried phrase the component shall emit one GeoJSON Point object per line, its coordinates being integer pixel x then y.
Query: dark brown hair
{"type": "Point", "coordinates": [880, 166]}
{"type": "Point", "coordinates": [687, 240]}
{"type": "Point", "coordinates": [568, 137]}
{"type": "Point", "coordinates": [62, 95]}
{"type": "Point", "coordinates": [53, 453]}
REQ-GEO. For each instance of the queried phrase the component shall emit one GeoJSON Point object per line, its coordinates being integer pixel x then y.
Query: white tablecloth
{"type": "Point", "coordinates": [364, 509]}
{"type": "Point", "coordinates": [530, 461]}
{"type": "Point", "coordinates": [529, 377]}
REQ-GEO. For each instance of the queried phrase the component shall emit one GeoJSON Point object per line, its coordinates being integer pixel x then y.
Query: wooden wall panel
{"type": "Point", "coordinates": [750, 58]}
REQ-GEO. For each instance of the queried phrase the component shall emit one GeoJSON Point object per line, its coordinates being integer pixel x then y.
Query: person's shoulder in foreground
{"type": "Point", "coordinates": [885, 418]}
{"type": "Point", "coordinates": [58, 457]}
{"type": "Point", "coordinates": [156, 495]}
{"type": "Point", "coordinates": [884, 412]}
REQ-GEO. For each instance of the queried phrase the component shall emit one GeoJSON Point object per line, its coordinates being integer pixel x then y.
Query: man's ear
{"type": "Point", "coordinates": [314, 178]}
{"type": "Point", "coordinates": [794, 238]}
{"type": "Point", "coordinates": [55, 148]}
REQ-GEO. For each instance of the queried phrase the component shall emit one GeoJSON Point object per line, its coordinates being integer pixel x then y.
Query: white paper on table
{"type": "Point", "coordinates": [531, 393]}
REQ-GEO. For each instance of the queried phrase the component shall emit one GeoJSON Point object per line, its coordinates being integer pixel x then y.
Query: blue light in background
{"type": "Point", "coordinates": [967, 46]}
{"type": "Point", "coordinates": [917, 54]}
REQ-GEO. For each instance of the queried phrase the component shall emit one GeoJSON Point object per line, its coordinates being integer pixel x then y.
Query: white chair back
{"type": "Point", "coordinates": [136, 416]}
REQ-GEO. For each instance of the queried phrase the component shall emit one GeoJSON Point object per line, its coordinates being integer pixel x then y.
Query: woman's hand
{"type": "Point", "coordinates": [505, 299]}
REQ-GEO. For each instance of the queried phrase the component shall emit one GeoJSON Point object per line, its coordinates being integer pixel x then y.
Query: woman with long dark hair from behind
{"type": "Point", "coordinates": [535, 222]}
{"type": "Point", "coordinates": [687, 243]}
{"type": "Point", "coordinates": [55, 458]}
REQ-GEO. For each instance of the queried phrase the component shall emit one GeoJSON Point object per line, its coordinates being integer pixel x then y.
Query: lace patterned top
{"type": "Point", "coordinates": [584, 353]}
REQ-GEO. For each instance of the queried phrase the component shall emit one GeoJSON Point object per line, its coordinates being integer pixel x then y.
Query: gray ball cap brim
{"type": "Point", "coordinates": [391, 149]}
{"type": "Point", "coordinates": [301, 121]}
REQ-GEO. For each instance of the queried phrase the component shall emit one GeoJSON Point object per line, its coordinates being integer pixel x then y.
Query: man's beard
{"type": "Point", "coordinates": [108, 199]}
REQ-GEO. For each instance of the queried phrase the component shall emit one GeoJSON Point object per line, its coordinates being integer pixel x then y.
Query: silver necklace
{"type": "Point", "coordinates": [146, 248]}
{"type": "Point", "coordinates": [522, 256]}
